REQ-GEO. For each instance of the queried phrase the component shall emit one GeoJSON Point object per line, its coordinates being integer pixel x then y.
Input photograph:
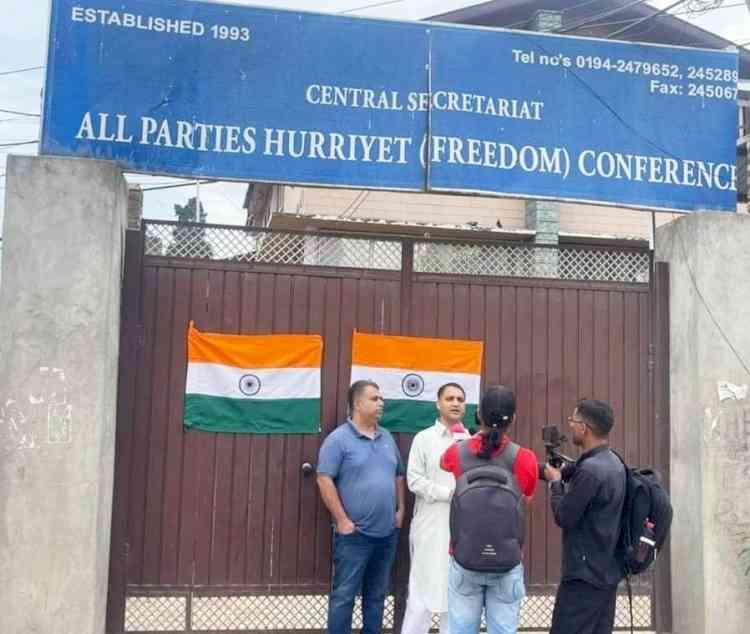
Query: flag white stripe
{"type": "Point", "coordinates": [213, 379]}
{"type": "Point", "coordinates": [392, 382]}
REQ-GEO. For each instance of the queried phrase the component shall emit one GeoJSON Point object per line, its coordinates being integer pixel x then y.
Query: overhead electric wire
{"type": "Point", "coordinates": [190, 184]}
{"type": "Point", "coordinates": [595, 18]}
{"type": "Point", "coordinates": [579, 5]}
{"type": "Point", "coordinates": [358, 205]}
{"type": "Point", "coordinates": [355, 200]}
{"type": "Point", "coordinates": [565, 10]}
{"type": "Point", "coordinates": [716, 8]}
{"type": "Point", "coordinates": [373, 6]}
{"type": "Point", "coordinates": [675, 14]}
{"type": "Point", "coordinates": [18, 143]}
{"type": "Point", "coordinates": [646, 19]}
{"type": "Point", "coordinates": [694, 282]}
{"type": "Point", "coordinates": [19, 70]}
{"type": "Point", "coordinates": [23, 114]}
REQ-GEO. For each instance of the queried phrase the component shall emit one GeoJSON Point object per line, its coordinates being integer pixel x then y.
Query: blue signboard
{"type": "Point", "coordinates": [199, 89]}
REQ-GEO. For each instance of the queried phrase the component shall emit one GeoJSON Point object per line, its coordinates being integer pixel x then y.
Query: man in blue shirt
{"type": "Point", "coordinates": [361, 481]}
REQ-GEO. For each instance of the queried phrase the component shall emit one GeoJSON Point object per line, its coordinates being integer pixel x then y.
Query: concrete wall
{"type": "Point", "coordinates": [59, 312]}
{"type": "Point", "coordinates": [709, 256]}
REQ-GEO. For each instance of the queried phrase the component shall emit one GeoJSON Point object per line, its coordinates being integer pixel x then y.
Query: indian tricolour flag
{"type": "Point", "coordinates": [410, 370]}
{"type": "Point", "coordinates": [255, 384]}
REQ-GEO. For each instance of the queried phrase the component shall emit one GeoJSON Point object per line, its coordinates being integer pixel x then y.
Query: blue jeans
{"type": "Point", "coordinates": [361, 564]}
{"type": "Point", "coordinates": [499, 594]}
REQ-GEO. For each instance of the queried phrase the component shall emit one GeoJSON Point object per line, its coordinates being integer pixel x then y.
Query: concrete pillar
{"type": "Point", "coordinates": [60, 310]}
{"type": "Point", "coordinates": [543, 216]}
{"type": "Point", "coordinates": [135, 207]}
{"type": "Point", "coordinates": [709, 361]}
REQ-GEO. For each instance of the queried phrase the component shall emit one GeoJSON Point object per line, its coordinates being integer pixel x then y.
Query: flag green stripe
{"type": "Point", "coordinates": [248, 416]}
{"type": "Point", "coordinates": [412, 416]}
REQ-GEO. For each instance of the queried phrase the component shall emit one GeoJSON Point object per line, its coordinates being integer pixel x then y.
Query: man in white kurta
{"type": "Point", "coordinates": [429, 538]}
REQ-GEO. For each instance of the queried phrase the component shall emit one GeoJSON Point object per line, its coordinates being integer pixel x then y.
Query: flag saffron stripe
{"type": "Point", "coordinates": [439, 355]}
{"type": "Point", "coordinates": [289, 416]}
{"type": "Point", "coordinates": [227, 381]}
{"type": "Point", "coordinates": [256, 351]}
{"type": "Point", "coordinates": [417, 385]}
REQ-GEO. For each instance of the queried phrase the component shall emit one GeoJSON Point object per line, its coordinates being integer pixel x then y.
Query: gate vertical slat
{"type": "Point", "coordinates": [257, 502]}
{"type": "Point", "coordinates": [130, 332]}
{"type": "Point", "coordinates": [207, 313]}
{"type": "Point", "coordinates": [292, 541]}
{"type": "Point", "coordinates": [141, 432]}
{"type": "Point", "coordinates": [531, 421]}
{"type": "Point", "coordinates": [226, 453]}
{"type": "Point", "coordinates": [586, 344]}
{"type": "Point", "coordinates": [632, 367]}
{"type": "Point", "coordinates": [437, 307]}
{"type": "Point", "coordinates": [477, 312]}
{"type": "Point", "coordinates": [646, 401]}
{"type": "Point", "coordinates": [287, 470]}
{"type": "Point", "coordinates": [188, 443]}
{"type": "Point", "coordinates": [248, 448]}
{"type": "Point", "coordinates": [238, 458]}
{"type": "Point", "coordinates": [616, 361]}
{"type": "Point", "coordinates": [601, 362]}
{"type": "Point", "coordinates": [491, 335]}
{"type": "Point", "coordinates": [159, 412]}
{"type": "Point", "coordinates": [241, 510]}
{"type": "Point", "coordinates": [508, 336]}
{"type": "Point", "coordinates": [223, 298]}
{"type": "Point", "coordinates": [406, 293]}
{"type": "Point", "coordinates": [310, 505]}
{"type": "Point", "coordinates": [461, 311]}
{"type": "Point", "coordinates": [555, 413]}
{"type": "Point", "coordinates": [174, 465]}
{"type": "Point", "coordinates": [333, 408]}
{"type": "Point", "coordinates": [520, 379]}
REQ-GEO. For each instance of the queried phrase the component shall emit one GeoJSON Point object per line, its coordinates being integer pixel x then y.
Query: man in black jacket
{"type": "Point", "coordinates": [588, 507]}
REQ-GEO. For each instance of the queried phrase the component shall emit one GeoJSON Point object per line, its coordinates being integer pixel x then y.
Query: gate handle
{"type": "Point", "coordinates": [307, 469]}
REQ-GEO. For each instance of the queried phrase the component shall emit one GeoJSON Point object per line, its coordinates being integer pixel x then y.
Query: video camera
{"type": "Point", "coordinates": [553, 439]}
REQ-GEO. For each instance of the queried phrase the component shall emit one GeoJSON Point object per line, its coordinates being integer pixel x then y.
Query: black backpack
{"type": "Point", "coordinates": [646, 519]}
{"type": "Point", "coordinates": [487, 512]}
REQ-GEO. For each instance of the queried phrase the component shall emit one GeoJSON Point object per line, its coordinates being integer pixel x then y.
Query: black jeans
{"type": "Point", "coordinates": [360, 564]}
{"type": "Point", "coordinates": [581, 608]}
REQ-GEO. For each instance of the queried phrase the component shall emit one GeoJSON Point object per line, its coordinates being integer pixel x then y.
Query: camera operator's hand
{"type": "Point", "coordinates": [551, 474]}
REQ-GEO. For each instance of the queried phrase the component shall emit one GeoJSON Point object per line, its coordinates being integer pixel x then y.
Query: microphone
{"type": "Point", "coordinates": [459, 432]}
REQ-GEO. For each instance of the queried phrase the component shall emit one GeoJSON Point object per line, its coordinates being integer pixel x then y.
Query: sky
{"type": "Point", "coordinates": [23, 33]}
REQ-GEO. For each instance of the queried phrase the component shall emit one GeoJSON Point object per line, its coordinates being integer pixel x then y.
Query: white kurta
{"type": "Point", "coordinates": [429, 538]}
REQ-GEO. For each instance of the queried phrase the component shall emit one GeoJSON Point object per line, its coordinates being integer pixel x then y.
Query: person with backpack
{"type": "Point", "coordinates": [495, 478]}
{"type": "Point", "coordinates": [587, 505]}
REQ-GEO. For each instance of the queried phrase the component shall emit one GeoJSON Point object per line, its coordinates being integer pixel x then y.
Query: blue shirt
{"type": "Point", "coordinates": [364, 471]}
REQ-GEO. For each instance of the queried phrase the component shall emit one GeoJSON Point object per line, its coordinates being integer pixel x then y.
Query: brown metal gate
{"type": "Point", "coordinates": [217, 532]}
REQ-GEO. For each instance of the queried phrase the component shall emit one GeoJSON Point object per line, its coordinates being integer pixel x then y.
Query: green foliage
{"type": "Point", "coordinates": [190, 212]}
{"type": "Point", "coordinates": [189, 241]}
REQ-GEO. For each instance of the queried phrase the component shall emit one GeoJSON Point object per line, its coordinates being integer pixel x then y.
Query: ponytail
{"type": "Point", "coordinates": [490, 443]}
{"type": "Point", "coordinates": [497, 409]}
